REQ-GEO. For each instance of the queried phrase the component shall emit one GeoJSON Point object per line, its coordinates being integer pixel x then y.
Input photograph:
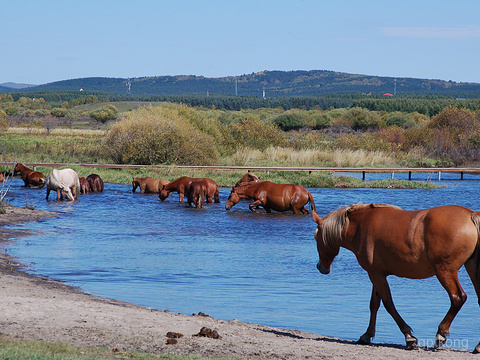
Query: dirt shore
{"type": "Point", "coordinates": [38, 308]}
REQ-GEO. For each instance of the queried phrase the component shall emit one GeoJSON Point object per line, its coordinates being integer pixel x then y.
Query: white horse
{"type": "Point", "coordinates": [65, 182]}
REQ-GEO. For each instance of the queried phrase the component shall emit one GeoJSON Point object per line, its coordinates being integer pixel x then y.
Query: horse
{"type": "Point", "coordinates": [148, 184]}
{"type": "Point", "coordinates": [96, 183]}
{"type": "Point", "coordinates": [248, 177]}
{"type": "Point", "coordinates": [272, 196]}
{"type": "Point", "coordinates": [201, 190]}
{"type": "Point", "coordinates": [2, 177]}
{"type": "Point", "coordinates": [181, 185]}
{"type": "Point", "coordinates": [84, 185]}
{"type": "Point", "coordinates": [64, 182]}
{"type": "Point", "coordinates": [387, 240]}
{"type": "Point", "coordinates": [30, 177]}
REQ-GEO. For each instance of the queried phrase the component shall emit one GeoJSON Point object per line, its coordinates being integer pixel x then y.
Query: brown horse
{"type": "Point", "coordinates": [84, 185]}
{"type": "Point", "coordinates": [248, 177]}
{"type": "Point", "coordinates": [201, 190]}
{"type": "Point", "coordinates": [271, 196]}
{"type": "Point", "coordinates": [96, 183]}
{"type": "Point", "coordinates": [30, 177]}
{"type": "Point", "coordinates": [179, 185]}
{"type": "Point", "coordinates": [148, 184]}
{"type": "Point", "coordinates": [411, 244]}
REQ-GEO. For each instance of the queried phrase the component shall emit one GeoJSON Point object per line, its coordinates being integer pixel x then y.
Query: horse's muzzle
{"type": "Point", "coordinates": [228, 206]}
{"type": "Point", "coordinates": [322, 269]}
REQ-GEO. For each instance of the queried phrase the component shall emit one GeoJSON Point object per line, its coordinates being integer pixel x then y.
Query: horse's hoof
{"type": "Point", "coordinates": [364, 340]}
{"type": "Point", "coordinates": [411, 342]}
{"type": "Point", "coordinates": [440, 340]}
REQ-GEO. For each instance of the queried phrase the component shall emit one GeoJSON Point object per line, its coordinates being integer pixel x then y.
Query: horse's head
{"type": "Point", "coordinates": [163, 193]}
{"type": "Point", "coordinates": [66, 192]}
{"type": "Point", "coordinates": [17, 168]}
{"type": "Point", "coordinates": [233, 199]}
{"type": "Point", "coordinates": [135, 184]}
{"type": "Point", "coordinates": [327, 250]}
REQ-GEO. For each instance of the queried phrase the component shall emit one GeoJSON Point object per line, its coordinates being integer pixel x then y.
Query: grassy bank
{"type": "Point", "coordinates": [37, 350]}
{"type": "Point", "coordinates": [75, 147]}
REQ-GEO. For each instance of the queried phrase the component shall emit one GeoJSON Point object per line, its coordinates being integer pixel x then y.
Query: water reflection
{"type": "Point", "coordinates": [254, 267]}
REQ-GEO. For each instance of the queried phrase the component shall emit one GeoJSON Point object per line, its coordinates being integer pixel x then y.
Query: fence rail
{"type": "Point", "coordinates": [332, 170]}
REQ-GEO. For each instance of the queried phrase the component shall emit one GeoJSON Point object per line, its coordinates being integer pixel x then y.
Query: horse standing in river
{"type": "Point", "coordinates": [148, 184]}
{"type": "Point", "coordinates": [31, 178]}
{"type": "Point", "coordinates": [412, 244]}
{"type": "Point", "coordinates": [65, 182]}
{"type": "Point", "coordinates": [201, 190]}
{"type": "Point", "coordinates": [96, 183]}
{"type": "Point", "coordinates": [248, 177]}
{"type": "Point", "coordinates": [272, 196]}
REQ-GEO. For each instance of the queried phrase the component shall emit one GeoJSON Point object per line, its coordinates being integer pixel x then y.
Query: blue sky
{"type": "Point", "coordinates": [46, 41]}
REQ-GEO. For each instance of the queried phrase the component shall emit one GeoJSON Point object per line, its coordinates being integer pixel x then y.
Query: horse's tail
{"type": "Point", "coordinates": [476, 221]}
{"type": "Point", "coordinates": [201, 197]}
{"type": "Point", "coordinates": [312, 202]}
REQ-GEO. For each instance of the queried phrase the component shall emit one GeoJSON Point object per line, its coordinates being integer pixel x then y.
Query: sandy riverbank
{"type": "Point", "coordinates": [37, 308]}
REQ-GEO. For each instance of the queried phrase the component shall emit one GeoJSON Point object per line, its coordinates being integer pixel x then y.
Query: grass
{"type": "Point", "coordinates": [77, 146]}
{"type": "Point", "coordinates": [37, 350]}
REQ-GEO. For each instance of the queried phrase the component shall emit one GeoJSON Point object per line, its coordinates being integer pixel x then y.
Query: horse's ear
{"type": "Point", "coordinates": [317, 218]}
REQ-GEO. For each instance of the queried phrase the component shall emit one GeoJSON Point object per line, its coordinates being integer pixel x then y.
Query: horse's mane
{"type": "Point", "coordinates": [336, 221]}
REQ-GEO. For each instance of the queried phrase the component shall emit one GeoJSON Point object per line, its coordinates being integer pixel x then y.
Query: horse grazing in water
{"type": "Point", "coordinates": [272, 196]}
{"type": "Point", "coordinates": [201, 190]}
{"type": "Point", "coordinates": [96, 183]}
{"type": "Point", "coordinates": [30, 177]}
{"type": "Point", "coordinates": [84, 185]}
{"type": "Point", "coordinates": [412, 244]}
{"type": "Point", "coordinates": [248, 177]}
{"type": "Point", "coordinates": [182, 184]}
{"type": "Point", "coordinates": [65, 182]}
{"type": "Point", "coordinates": [148, 184]}
{"type": "Point", "coordinates": [179, 185]}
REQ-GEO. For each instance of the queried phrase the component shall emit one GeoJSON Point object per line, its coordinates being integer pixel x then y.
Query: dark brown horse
{"type": "Point", "coordinates": [411, 244]}
{"type": "Point", "coordinates": [30, 177]}
{"type": "Point", "coordinates": [148, 184]}
{"type": "Point", "coordinates": [248, 177]}
{"type": "Point", "coordinates": [201, 190]}
{"type": "Point", "coordinates": [271, 196]}
{"type": "Point", "coordinates": [96, 183]}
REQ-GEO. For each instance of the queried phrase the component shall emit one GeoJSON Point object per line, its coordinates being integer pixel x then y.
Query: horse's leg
{"type": "Point", "coordinates": [374, 305]}
{"type": "Point", "coordinates": [255, 204]}
{"type": "Point", "coordinates": [58, 195]}
{"type": "Point", "coordinates": [216, 196]}
{"type": "Point", "coordinates": [449, 280]}
{"type": "Point", "coordinates": [380, 283]}
{"type": "Point", "coordinates": [473, 271]}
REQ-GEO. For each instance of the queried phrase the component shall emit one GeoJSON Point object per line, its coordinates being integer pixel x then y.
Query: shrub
{"type": "Point", "coordinates": [363, 119]}
{"type": "Point", "coordinates": [159, 136]}
{"type": "Point", "coordinates": [400, 120]}
{"type": "Point", "coordinates": [290, 121]}
{"type": "Point", "coordinates": [256, 134]}
{"type": "Point", "coordinates": [105, 113]}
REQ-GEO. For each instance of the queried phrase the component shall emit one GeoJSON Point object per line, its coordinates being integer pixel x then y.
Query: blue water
{"type": "Point", "coordinates": [257, 268]}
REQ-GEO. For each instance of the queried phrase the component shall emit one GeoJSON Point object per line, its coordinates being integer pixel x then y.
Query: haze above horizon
{"type": "Point", "coordinates": [55, 40]}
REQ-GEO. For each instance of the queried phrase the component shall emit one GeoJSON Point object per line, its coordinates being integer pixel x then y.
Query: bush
{"type": "Point", "coordinates": [363, 119]}
{"type": "Point", "coordinates": [399, 120]}
{"type": "Point", "coordinates": [290, 121]}
{"type": "Point", "coordinates": [105, 113]}
{"type": "Point", "coordinates": [256, 134]}
{"type": "Point", "coordinates": [159, 136]}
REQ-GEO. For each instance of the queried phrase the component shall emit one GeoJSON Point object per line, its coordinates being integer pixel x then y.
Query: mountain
{"type": "Point", "coordinates": [16, 86]}
{"type": "Point", "coordinates": [268, 83]}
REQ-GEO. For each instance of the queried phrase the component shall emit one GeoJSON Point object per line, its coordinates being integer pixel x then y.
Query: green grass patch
{"type": "Point", "coordinates": [38, 350]}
